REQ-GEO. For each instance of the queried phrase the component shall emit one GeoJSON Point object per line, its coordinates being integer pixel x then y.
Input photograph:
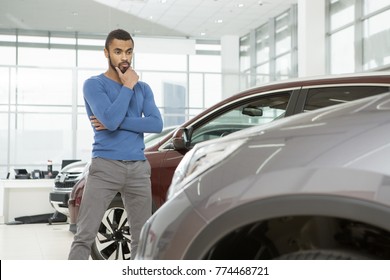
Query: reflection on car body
{"type": "Point", "coordinates": [312, 186]}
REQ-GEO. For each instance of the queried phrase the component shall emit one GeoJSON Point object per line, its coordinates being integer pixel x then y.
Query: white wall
{"type": "Point", "coordinates": [230, 64]}
{"type": "Point", "coordinates": [311, 38]}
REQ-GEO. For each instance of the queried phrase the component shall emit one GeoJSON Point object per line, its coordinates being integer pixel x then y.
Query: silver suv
{"type": "Point", "coordinates": [311, 186]}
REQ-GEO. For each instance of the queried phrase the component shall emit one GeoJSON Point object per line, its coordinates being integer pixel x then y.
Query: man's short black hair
{"type": "Point", "coordinates": [119, 34]}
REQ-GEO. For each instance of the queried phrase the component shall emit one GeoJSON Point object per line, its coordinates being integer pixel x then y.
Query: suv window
{"type": "Point", "coordinates": [257, 111]}
{"type": "Point", "coordinates": [323, 97]}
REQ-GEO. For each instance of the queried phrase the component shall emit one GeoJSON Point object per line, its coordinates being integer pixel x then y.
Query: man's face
{"type": "Point", "coordinates": [120, 54]}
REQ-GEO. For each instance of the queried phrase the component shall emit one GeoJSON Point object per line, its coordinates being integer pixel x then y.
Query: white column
{"type": "Point", "coordinates": [311, 38]}
{"type": "Point", "coordinates": [230, 64]}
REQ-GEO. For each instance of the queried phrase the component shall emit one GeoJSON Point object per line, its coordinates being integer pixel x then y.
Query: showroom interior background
{"type": "Point", "coordinates": [41, 76]}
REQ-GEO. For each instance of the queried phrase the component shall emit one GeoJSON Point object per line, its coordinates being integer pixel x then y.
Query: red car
{"type": "Point", "coordinates": [251, 107]}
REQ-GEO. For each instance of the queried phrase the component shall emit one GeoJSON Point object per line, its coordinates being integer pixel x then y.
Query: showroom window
{"type": "Point", "coordinates": [245, 58]}
{"type": "Point", "coordinates": [269, 53]}
{"type": "Point", "coordinates": [357, 35]}
{"type": "Point", "coordinates": [263, 54]}
{"type": "Point", "coordinates": [41, 102]}
{"type": "Point", "coordinates": [376, 41]}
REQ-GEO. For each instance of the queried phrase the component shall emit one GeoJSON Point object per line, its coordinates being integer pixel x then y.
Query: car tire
{"type": "Point", "coordinates": [113, 238]}
{"type": "Point", "coordinates": [323, 255]}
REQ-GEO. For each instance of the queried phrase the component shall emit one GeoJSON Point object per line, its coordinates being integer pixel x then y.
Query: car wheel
{"type": "Point", "coordinates": [323, 255]}
{"type": "Point", "coordinates": [113, 239]}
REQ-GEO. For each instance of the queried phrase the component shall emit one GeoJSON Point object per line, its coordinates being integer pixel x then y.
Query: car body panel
{"type": "Point", "coordinates": [276, 208]}
{"type": "Point", "coordinates": [179, 220]}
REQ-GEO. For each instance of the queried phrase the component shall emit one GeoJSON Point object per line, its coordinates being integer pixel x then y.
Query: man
{"type": "Point", "coordinates": [121, 109]}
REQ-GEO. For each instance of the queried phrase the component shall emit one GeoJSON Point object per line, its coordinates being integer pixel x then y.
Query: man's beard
{"type": "Point", "coordinates": [114, 67]}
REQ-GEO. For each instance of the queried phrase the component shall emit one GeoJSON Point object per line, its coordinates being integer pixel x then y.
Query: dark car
{"type": "Point", "coordinates": [313, 186]}
{"type": "Point", "coordinates": [252, 107]}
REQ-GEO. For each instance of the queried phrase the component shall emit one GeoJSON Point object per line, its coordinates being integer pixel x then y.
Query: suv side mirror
{"type": "Point", "coordinates": [181, 139]}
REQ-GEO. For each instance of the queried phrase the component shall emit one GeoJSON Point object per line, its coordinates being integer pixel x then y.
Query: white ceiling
{"type": "Point", "coordinates": [174, 18]}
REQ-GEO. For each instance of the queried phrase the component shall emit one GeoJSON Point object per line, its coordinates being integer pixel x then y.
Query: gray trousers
{"type": "Point", "coordinates": [105, 179]}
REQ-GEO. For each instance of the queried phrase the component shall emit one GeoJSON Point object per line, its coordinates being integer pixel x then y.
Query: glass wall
{"type": "Point", "coordinates": [41, 102]}
{"type": "Point", "coordinates": [270, 52]}
{"type": "Point", "coordinates": [358, 35]}
{"type": "Point", "coordinates": [376, 39]}
{"type": "Point", "coordinates": [263, 51]}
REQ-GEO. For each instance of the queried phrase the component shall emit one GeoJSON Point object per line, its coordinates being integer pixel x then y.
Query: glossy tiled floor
{"type": "Point", "coordinates": [35, 241]}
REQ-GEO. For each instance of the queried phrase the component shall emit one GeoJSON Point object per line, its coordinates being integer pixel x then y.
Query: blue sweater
{"type": "Point", "coordinates": [126, 114]}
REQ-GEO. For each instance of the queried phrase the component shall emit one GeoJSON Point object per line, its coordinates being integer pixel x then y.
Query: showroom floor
{"type": "Point", "coordinates": [35, 241]}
